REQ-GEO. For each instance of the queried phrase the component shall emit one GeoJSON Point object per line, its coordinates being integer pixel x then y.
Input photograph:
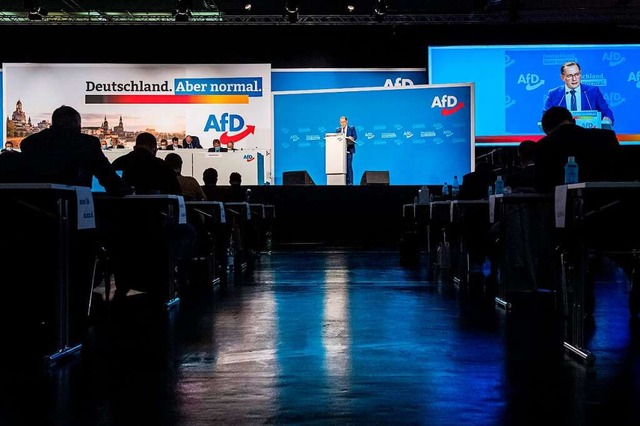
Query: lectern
{"type": "Point", "coordinates": [336, 158]}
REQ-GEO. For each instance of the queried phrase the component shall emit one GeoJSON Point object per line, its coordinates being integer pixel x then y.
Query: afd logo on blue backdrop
{"type": "Point", "coordinates": [398, 82]}
{"type": "Point", "coordinates": [614, 98]}
{"type": "Point", "coordinates": [448, 104]}
{"type": "Point", "coordinates": [532, 81]}
{"type": "Point", "coordinates": [634, 76]}
{"type": "Point", "coordinates": [248, 86]}
{"type": "Point", "coordinates": [614, 58]}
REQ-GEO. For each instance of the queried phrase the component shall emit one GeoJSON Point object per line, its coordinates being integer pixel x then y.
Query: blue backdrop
{"type": "Point", "coordinates": [420, 134]}
{"type": "Point", "coordinates": [309, 79]}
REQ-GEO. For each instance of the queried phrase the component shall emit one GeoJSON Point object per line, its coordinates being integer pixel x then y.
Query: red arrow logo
{"type": "Point", "coordinates": [224, 138]}
{"type": "Point", "coordinates": [446, 112]}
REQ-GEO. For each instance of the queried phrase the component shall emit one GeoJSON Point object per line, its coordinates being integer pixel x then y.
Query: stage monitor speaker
{"type": "Point", "coordinates": [299, 177]}
{"type": "Point", "coordinates": [375, 178]}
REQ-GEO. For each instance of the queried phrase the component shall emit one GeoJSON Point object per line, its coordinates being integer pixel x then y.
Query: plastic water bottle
{"type": "Point", "coordinates": [248, 195]}
{"type": "Point", "coordinates": [455, 188]}
{"type": "Point", "coordinates": [499, 185]}
{"type": "Point", "coordinates": [489, 191]}
{"type": "Point", "coordinates": [571, 170]}
{"type": "Point", "coordinates": [423, 195]}
{"type": "Point", "coordinates": [445, 191]}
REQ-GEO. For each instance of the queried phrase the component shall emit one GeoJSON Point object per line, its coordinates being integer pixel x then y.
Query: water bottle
{"type": "Point", "coordinates": [423, 195]}
{"type": "Point", "coordinates": [445, 191]}
{"type": "Point", "coordinates": [499, 185]}
{"type": "Point", "coordinates": [248, 195]}
{"type": "Point", "coordinates": [490, 191]}
{"type": "Point", "coordinates": [269, 241]}
{"type": "Point", "coordinates": [571, 170]}
{"type": "Point", "coordinates": [455, 188]}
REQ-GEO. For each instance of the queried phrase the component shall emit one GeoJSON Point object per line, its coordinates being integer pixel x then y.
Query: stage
{"type": "Point", "coordinates": [369, 216]}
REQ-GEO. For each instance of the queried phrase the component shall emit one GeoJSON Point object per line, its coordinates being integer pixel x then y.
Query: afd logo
{"type": "Point", "coordinates": [248, 158]}
{"type": "Point", "coordinates": [447, 103]}
{"type": "Point", "coordinates": [614, 58]}
{"type": "Point", "coordinates": [229, 123]}
{"type": "Point", "coordinates": [399, 82]}
{"type": "Point", "coordinates": [508, 61]}
{"type": "Point", "coordinates": [532, 81]}
{"type": "Point", "coordinates": [614, 99]}
{"type": "Point", "coordinates": [508, 102]}
{"type": "Point", "coordinates": [635, 77]}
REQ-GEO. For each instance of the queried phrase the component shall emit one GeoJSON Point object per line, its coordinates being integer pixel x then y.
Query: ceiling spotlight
{"type": "Point", "coordinates": [247, 7]}
{"type": "Point", "coordinates": [350, 8]}
{"type": "Point", "coordinates": [183, 10]}
{"type": "Point", "coordinates": [380, 10]}
{"type": "Point", "coordinates": [291, 10]}
{"type": "Point", "coordinates": [34, 11]}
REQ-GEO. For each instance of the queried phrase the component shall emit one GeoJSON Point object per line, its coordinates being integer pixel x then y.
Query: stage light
{"type": "Point", "coordinates": [34, 11]}
{"type": "Point", "coordinates": [380, 10]}
{"type": "Point", "coordinates": [247, 7]}
{"type": "Point", "coordinates": [183, 10]}
{"type": "Point", "coordinates": [291, 10]}
{"type": "Point", "coordinates": [350, 8]}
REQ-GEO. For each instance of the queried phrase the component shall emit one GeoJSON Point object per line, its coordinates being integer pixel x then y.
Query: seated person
{"type": "Point", "coordinates": [210, 187]}
{"type": "Point", "coordinates": [475, 185]}
{"type": "Point", "coordinates": [8, 147]}
{"type": "Point", "coordinates": [144, 171]}
{"type": "Point", "coordinates": [176, 142]}
{"type": "Point", "coordinates": [597, 151]}
{"type": "Point", "coordinates": [191, 142]}
{"type": "Point", "coordinates": [521, 177]}
{"type": "Point", "coordinates": [136, 241]}
{"type": "Point", "coordinates": [63, 154]}
{"type": "Point", "coordinates": [115, 143]}
{"type": "Point", "coordinates": [231, 146]}
{"type": "Point", "coordinates": [217, 147]}
{"type": "Point", "coordinates": [190, 187]}
{"type": "Point", "coordinates": [236, 192]}
{"type": "Point", "coordinates": [164, 145]}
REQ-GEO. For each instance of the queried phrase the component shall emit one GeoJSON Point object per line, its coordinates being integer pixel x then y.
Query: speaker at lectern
{"type": "Point", "coordinates": [336, 158]}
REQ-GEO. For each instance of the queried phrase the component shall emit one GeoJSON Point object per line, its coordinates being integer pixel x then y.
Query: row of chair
{"type": "Point", "coordinates": [540, 245]}
{"type": "Point", "coordinates": [62, 243]}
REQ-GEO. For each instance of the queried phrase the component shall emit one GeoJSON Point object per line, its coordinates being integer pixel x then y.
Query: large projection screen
{"type": "Point", "coordinates": [511, 84]}
{"type": "Point", "coordinates": [420, 134]}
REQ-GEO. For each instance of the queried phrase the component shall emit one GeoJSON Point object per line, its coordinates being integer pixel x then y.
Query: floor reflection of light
{"type": "Point", "coordinates": [243, 346]}
{"type": "Point", "coordinates": [336, 337]}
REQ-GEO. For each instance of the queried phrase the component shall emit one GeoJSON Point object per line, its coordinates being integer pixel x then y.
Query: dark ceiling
{"type": "Point", "coordinates": [15, 11]}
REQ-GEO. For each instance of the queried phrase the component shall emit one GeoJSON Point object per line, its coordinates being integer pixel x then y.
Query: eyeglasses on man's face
{"type": "Point", "coordinates": [572, 76]}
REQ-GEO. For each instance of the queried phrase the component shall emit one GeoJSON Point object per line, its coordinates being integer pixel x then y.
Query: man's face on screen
{"type": "Point", "coordinates": [571, 76]}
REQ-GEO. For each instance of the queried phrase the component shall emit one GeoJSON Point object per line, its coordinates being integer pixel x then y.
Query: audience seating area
{"type": "Point", "coordinates": [157, 246]}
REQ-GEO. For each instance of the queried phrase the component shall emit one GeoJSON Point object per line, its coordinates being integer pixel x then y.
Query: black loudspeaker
{"type": "Point", "coordinates": [299, 177]}
{"type": "Point", "coordinates": [375, 178]}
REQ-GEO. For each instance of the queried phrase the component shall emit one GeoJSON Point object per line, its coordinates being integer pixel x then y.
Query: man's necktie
{"type": "Point", "coordinates": [574, 103]}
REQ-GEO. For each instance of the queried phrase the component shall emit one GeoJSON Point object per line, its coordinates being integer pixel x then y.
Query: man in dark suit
{"type": "Point", "coordinates": [134, 242]}
{"type": "Point", "coordinates": [217, 147]}
{"type": "Point", "coordinates": [351, 135]}
{"type": "Point", "coordinates": [191, 142]}
{"type": "Point", "coordinates": [63, 154]}
{"type": "Point", "coordinates": [576, 96]}
{"type": "Point", "coordinates": [475, 185]}
{"type": "Point", "coordinates": [595, 150]}
{"type": "Point", "coordinates": [144, 171]}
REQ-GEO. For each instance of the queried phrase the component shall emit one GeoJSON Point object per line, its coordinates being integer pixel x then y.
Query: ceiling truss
{"type": "Point", "coordinates": [610, 16]}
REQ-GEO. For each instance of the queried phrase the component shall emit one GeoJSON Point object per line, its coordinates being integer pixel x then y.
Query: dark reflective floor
{"type": "Point", "coordinates": [335, 337]}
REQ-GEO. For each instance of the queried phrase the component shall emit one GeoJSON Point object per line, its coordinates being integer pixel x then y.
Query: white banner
{"type": "Point", "coordinates": [228, 102]}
